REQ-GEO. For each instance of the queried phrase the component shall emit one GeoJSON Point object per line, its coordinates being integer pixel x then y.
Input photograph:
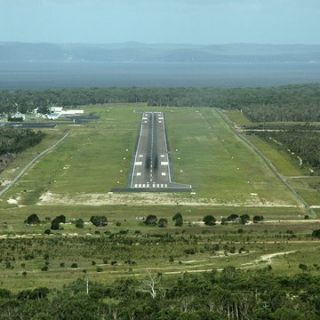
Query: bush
{"type": "Point", "coordinates": [233, 217]}
{"type": "Point", "coordinates": [178, 219]}
{"type": "Point", "coordinates": [5, 294]}
{"type": "Point", "coordinates": [151, 220]}
{"type": "Point", "coordinates": [32, 219]}
{"type": "Point", "coordinates": [209, 220]}
{"type": "Point", "coordinates": [257, 219]}
{"type": "Point", "coordinates": [163, 223]}
{"type": "Point", "coordinates": [99, 221]}
{"type": "Point", "coordinates": [47, 231]}
{"type": "Point", "coordinates": [316, 233]}
{"type": "Point", "coordinates": [55, 224]}
{"type": "Point", "coordinates": [190, 251]}
{"type": "Point", "coordinates": [79, 223]}
{"type": "Point", "coordinates": [245, 218]}
{"type": "Point", "coordinates": [74, 265]}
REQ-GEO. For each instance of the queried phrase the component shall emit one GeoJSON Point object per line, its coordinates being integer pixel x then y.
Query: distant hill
{"type": "Point", "coordinates": [166, 53]}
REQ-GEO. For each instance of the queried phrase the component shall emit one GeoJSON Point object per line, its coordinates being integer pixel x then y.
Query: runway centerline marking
{"type": "Point", "coordinates": [151, 170]}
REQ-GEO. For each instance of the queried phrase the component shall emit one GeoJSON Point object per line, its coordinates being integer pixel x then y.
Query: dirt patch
{"type": "Point", "coordinates": [4, 183]}
{"type": "Point", "coordinates": [267, 258]}
{"type": "Point", "coordinates": [12, 201]}
{"type": "Point", "coordinates": [147, 199]}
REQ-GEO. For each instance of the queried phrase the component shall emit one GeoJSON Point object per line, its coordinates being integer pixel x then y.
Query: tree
{"type": "Point", "coordinates": [178, 219]}
{"type": "Point", "coordinates": [303, 267]}
{"type": "Point", "coordinates": [287, 314]}
{"type": "Point", "coordinates": [245, 218]}
{"type": "Point", "coordinates": [32, 219]}
{"type": "Point", "coordinates": [99, 221]}
{"type": "Point", "coordinates": [151, 284]}
{"type": "Point", "coordinates": [316, 233]}
{"type": "Point", "coordinates": [209, 220]}
{"type": "Point", "coordinates": [257, 219]}
{"type": "Point", "coordinates": [55, 224]}
{"type": "Point", "coordinates": [233, 217]}
{"type": "Point", "coordinates": [79, 223]}
{"type": "Point", "coordinates": [151, 220]}
{"type": "Point", "coordinates": [163, 223]}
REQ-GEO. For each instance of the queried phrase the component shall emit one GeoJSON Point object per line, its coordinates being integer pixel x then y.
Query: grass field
{"type": "Point", "coordinates": [75, 178]}
{"type": "Point", "coordinates": [306, 185]}
{"type": "Point", "coordinates": [204, 150]}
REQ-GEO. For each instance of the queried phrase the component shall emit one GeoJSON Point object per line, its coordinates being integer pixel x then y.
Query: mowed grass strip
{"type": "Point", "coordinates": [279, 157]}
{"type": "Point", "coordinates": [93, 159]}
{"type": "Point", "coordinates": [208, 155]}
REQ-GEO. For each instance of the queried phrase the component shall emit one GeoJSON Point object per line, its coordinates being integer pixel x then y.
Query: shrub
{"type": "Point", "coordinates": [99, 221]}
{"type": "Point", "coordinates": [233, 217]}
{"type": "Point", "coordinates": [303, 267]}
{"type": "Point", "coordinates": [316, 233]}
{"type": "Point", "coordinates": [163, 223]}
{"type": "Point", "coordinates": [5, 294]}
{"type": "Point", "coordinates": [151, 220]}
{"type": "Point", "coordinates": [190, 251]}
{"type": "Point", "coordinates": [74, 265]}
{"type": "Point", "coordinates": [178, 219]}
{"type": "Point", "coordinates": [32, 219]}
{"type": "Point", "coordinates": [209, 220]}
{"type": "Point", "coordinates": [55, 224]}
{"type": "Point", "coordinates": [47, 231]}
{"type": "Point", "coordinates": [245, 218]}
{"type": "Point", "coordinates": [79, 223]}
{"type": "Point", "coordinates": [257, 219]}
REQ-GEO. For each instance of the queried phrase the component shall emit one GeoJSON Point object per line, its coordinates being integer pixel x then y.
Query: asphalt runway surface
{"type": "Point", "coordinates": [151, 169]}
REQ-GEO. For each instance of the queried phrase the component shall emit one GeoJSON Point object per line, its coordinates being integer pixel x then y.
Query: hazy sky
{"type": "Point", "coordinates": [165, 21]}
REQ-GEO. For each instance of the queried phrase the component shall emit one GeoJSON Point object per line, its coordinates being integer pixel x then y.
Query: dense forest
{"type": "Point", "coordinates": [14, 140]}
{"type": "Point", "coordinates": [227, 295]}
{"type": "Point", "coordinates": [285, 103]}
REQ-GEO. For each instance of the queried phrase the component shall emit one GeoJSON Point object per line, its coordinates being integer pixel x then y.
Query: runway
{"type": "Point", "coordinates": [151, 168]}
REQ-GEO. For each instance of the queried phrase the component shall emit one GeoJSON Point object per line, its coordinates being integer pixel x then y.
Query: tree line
{"type": "Point", "coordinates": [285, 103]}
{"type": "Point", "coordinates": [14, 140]}
{"type": "Point", "coordinates": [227, 295]}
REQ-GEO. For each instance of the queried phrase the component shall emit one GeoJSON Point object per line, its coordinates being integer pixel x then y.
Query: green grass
{"type": "Point", "coordinates": [97, 157]}
{"type": "Point", "coordinates": [237, 117]}
{"type": "Point", "coordinates": [217, 163]}
{"type": "Point", "coordinates": [308, 188]}
{"type": "Point", "coordinates": [279, 157]}
{"type": "Point", "coordinates": [204, 150]}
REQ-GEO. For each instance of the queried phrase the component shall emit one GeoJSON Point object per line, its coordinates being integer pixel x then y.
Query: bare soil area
{"type": "Point", "coordinates": [148, 199]}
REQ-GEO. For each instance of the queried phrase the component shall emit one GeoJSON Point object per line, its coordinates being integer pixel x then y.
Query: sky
{"type": "Point", "coordinates": [161, 21]}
